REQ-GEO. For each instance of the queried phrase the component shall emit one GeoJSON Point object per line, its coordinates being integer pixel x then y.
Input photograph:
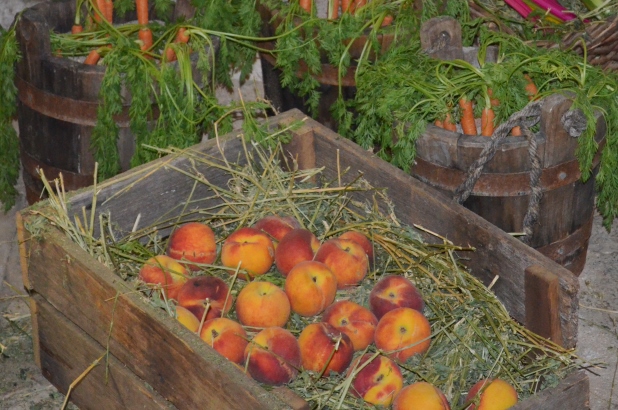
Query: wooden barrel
{"type": "Point", "coordinates": [58, 99]}
{"type": "Point", "coordinates": [501, 195]}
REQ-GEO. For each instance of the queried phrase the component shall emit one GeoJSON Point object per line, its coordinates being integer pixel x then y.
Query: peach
{"type": "Point", "coordinates": [262, 304]}
{"type": "Point", "coordinates": [392, 292]}
{"type": "Point", "coordinates": [310, 287]}
{"type": "Point", "coordinates": [188, 319]}
{"type": "Point", "coordinates": [491, 394]}
{"type": "Point", "coordinates": [378, 381]}
{"type": "Point", "coordinates": [166, 272]}
{"type": "Point", "coordinates": [273, 356]}
{"type": "Point", "coordinates": [277, 226]}
{"type": "Point", "coordinates": [420, 396]}
{"type": "Point", "coordinates": [297, 246]}
{"type": "Point", "coordinates": [199, 291]}
{"type": "Point", "coordinates": [193, 242]}
{"type": "Point", "coordinates": [346, 259]}
{"type": "Point", "coordinates": [324, 349]}
{"type": "Point", "coordinates": [227, 337]}
{"type": "Point", "coordinates": [361, 239]}
{"type": "Point", "coordinates": [354, 320]}
{"type": "Point", "coordinates": [402, 333]}
{"type": "Point", "coordinates": [249, 248]}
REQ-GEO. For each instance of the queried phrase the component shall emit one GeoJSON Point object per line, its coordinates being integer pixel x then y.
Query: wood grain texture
{"type": "Point", "coordinates": [573, 393]}
{"type": "Point", "coordinates": [66, 352]}
{"type": "Point", "coordinates": [542, 315]}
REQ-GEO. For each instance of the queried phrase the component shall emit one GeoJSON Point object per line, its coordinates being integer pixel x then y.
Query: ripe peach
{"type": "Point", "coordinates": [262, 304]}
{"type": "Point", "coordinates": [361, 239]}
{"type": "Point", "coordinates": [394, 291]}
{"type": "Point", "coordinates": [491, 394]}
{"type": "Point", "coordinates": [346, 259]}
{"type": "Point", "coordinates": [200, 290]}
{"type": "Point", "coordinates": [400, 328]}
{"type": "Point", "coordinates": [188, 319]}
{"type": "Point", "coordinates": [273, 356]}
{"type": "Point", "coordinates": [227, 337]}
{"type": "Point", "coordinates": [297, 246]}
{"type": "Point", "coordinates": [277, 226]}
{"type": "Point", "coordinates": [310, 287]}
{"type": "Point", "coordinates": [324, 349]}
{"type": "Point", "coordinates": [249, 247]}
{"type": "Point", "coordinates": [379, 380]}
{"type": "Point", "coordinates": [165, 272]}
{"type": "Point", "coordinates": [193, 242]}
{"type": "Point", "coordinates": [420, 396]}
{"type": "Point", "coordinates": [354, 320]}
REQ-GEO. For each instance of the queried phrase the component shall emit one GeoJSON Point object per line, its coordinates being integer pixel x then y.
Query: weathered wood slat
{"type": "Point", "coordinates": [573, 393]}
{"type": "Point", "coordinates": [65, 352]}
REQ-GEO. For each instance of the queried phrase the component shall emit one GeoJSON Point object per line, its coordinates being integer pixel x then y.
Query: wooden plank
{"type": "Point", "coordinates": [542, 315]}
{"type": "Point", "coordinates": [573, 393]}
{"type": "Point", "coordinates": [175, 362]}
{"type": "Point", "coordinates": [497, 253]}
{"type": "Point", "coordinates": [66, 352]}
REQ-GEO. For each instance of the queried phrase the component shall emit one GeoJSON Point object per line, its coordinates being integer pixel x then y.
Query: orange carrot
{"type": "Point", "coordinates": [306, 5]}
{"type": "Point", "coordinates": [109, 11]}
{"type": "Point", "coordinates": [531, 89]}
{"type": "Point", "coordinates": [516, 131]}
{"type": "Point", "coordinates": [99, 13]}
{"type": "Point", "coordinates": [346, 6]}
{"type": "Point", "coordinates": [335, 9]}
{"type": "Point", "coordinates": [487, 122]}
{"type": "Point", "coordinates": [468, 125]}
{"type": "Point", "coordinates": [77, 28]}
{"type": "Point", "coordinates": [93, 57]}
{"type": "Point", "coordinates": [145, 35]}
{"type": "Point", "coordinates": [438, 123]}
{"type": "Point", "coordinates": [181, 37]}
{"type": "Point", "coordinates": [141, 6]}
{"type": "Point", "coordinates": [387, 21]}
{"type": "Point", "coordinates": [449, 125]}
{"type": "Point", "coordinates": [357, 4]}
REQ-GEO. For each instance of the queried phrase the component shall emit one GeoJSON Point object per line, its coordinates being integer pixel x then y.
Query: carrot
{"type": "Point", "coordinates": [487, 121]}
{"type": "Point", "coordinates": [531, 89]}
{"type": "Point", "coordinates": [334, 12]}
{"type": "Point", "coordinates": [109, 11]}
{"type": "Point", "coordinates": [141, 6]}
{"type": "Point", "coordinates": [345, 6]}
{"type": "Point", "coordinates": [357, 4]}
{"type": "Point", "coordinates": [439, 123]}
{"type": "Point", "coordinates": [516, 131]}
{"type": "Point", "coordinates": [145, 35]}
{"type": "Point", "coordinates": [181, 37]}
{"type": "Point", "coordinates": [306, 5]}
{"type": "Point", "coordinates": [99, 13]}
{"type": "Point", "coordinates": [449, 124]}
{"type": "Point", "coordinates": [77, 28]}
{"type": "Point", "coordinates": [468, 125]}
{"type": "Point", "coordinates": [93, 57]}
{"type": "Point", "coordinates": [387, 21]}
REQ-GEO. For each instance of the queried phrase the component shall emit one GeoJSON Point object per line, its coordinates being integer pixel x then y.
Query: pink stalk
{"type": "Point", "coordinates": [520, 7]}
{"type": "Point", "coordinates": [555, 8]}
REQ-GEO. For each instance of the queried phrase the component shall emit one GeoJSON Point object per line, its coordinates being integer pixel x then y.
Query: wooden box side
{"type": "Point", "coordinates": [496, 254]}
{"type": "Point", "coordinates": [66, 353]}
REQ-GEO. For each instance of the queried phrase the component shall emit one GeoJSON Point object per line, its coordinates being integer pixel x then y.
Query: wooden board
{"type": "Point", "coordinates": [175, 362]}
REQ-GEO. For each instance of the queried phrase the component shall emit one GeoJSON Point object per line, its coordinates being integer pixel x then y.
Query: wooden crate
{"type": "Point", "coordinates": [156, 362]}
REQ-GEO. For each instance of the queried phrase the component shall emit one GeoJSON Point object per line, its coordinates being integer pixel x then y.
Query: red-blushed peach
{"type": "Point", "coordinates": [188, 319]}
{"type": "Point", "coordinates": [277, 226]}
{"type": "Point", "coordinates": [402, 333]}
{"type": "Point", "coordinates": [297, 246]}
{"type": "Point", "coordinates": [225, 336]}
{"type": "Point", "coordinates": [324, 349]}
{"type": "Point", "coordinates": [262, 304]}
{"type": "Point", "coordinates": [354, 320]}
{"type": "Point", "coordinates": [346, 259]}
{"type": "Point", "coordinates": [392, 292]}
{"type": "Point", "coordinates": [310, 287]}
{"type": "Point", "coordinates": [202, 291]}
{"type": "Point", "coordinates": [491, 394]}
{"type": "Point", "coordinates": [378, 381]}
{"type": "Point", "coordinates": [273, 356]}
{"type": "Point", "coordinates": [193, 242]}
{"type": "Point", "coordinates": [361, 239]}
{"type": "Point", "coordinates": [249, 248]}
{"type": "Point", "coordinates": [421, 396]}
{"type": "Point", "coordinates": [165, 272]}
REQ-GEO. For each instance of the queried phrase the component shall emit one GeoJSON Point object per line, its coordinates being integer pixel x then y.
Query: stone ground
{"type": "Point", "coordinates": [22, 385]}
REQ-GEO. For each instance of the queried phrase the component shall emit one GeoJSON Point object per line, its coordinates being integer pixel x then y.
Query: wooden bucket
{"type": "Point", "coordinates": [502, 193]}
{"type": "Point", "coordinates": [58, 99]}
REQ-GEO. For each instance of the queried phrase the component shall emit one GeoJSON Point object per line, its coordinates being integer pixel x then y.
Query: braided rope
{"type": "Point", "coordinates": [526, 118]}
